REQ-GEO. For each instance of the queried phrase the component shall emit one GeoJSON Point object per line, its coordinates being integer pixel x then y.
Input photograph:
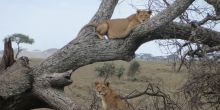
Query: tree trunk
{"type": "Point", "coordinates": [45, 82]}
{"type": "Point", "coordinates": [8, 55]}
{"type": "Point", "coordinates": [18, 51]}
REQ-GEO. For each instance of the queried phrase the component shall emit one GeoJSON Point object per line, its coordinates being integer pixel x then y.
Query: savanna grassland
{"type": "Point", "coordinates": [158, 73]}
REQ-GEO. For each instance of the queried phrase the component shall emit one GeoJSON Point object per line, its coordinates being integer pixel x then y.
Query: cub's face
{"type": "Point", "coordinates": [102, 88]}
{"type": "Point", "coordinates": [143, 15]}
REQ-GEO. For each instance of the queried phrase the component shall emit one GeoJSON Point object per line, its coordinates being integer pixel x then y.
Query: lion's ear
{"type": "Point", "coordinates": [96, 82]}
{"type": "Point", "coordinates": [138, 11]}
{"type": "Point", "coordinates": [107, 84]}
{"type": "Point", "coordinates": [150, 12]}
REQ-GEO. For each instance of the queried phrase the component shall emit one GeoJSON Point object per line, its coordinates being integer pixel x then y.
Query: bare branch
{"type": "Point", "coordinates": [153, 90]}
{"type": "Point", "coordinates": [165, 1]}
{"type": "Point", "coordinates": [215, 4]}
{"type": "Point", "coordinates": [207, 18]}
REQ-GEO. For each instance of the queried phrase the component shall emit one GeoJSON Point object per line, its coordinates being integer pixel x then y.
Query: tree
{"type": "Point", "coordinates": [45, 82]}
{"type": "Point", "coordinates": [107, 69]}
{"type": "Point", "coordinates": [119, 72]}
{"type": "Point", "coordinates": [20, 38]}
{"type": "Point", "coordinates": [134, 68]}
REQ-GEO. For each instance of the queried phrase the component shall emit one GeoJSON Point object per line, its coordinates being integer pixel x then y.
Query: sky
{"type": "Point", "coordinates": [54, 23]}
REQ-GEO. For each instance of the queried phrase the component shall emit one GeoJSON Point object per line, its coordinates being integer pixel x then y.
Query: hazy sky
{"type": "Point", "coordinates": [53, 23]}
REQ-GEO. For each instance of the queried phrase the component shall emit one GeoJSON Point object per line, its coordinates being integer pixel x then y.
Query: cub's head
{"type": "Point", "coordinates": [143, 15]}
{"type": "Point", "coordinates": [102, 88]}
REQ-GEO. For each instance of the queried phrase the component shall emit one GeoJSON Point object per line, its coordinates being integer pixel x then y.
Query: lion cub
{"type": "Point", "coordinates": [120, 28]}
{"type": "Point", "coordinates": [110, 99]}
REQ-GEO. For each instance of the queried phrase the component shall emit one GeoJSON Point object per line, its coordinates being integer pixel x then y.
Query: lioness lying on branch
{"type": "Point", "coordinates": [120, 28]}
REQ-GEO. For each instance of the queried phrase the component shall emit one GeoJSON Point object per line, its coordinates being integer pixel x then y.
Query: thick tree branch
{"type": "Point", "coordinates": [183, 31]}
{"type": "Point", "coordinates": [57, 99]}
{"type": "Point", "coordinates": [15, 80]}
{"type": "Point", "coordinates": [105, 11]}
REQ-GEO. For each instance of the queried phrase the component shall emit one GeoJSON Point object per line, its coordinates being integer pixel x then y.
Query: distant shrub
{"type": "Point", "coordinates": [107, 68]}
{"type": "Point", "coordinates": [119, 72]}
{"type": "Point", "coordinates": [134, 68]}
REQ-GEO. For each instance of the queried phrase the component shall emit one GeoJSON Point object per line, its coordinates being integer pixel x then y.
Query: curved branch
{"type": "Point", "coordinates": [183, 31]}
{"type": "Point", "coordinates": [105, 11]}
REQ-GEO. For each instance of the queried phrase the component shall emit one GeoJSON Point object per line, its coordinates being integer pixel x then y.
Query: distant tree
{"type": "Point", "coordinates": [133, 68]}
{"type": "Point", "coordinates": [119, 72]}
{"type": "Point", "coordinates": [20, 38]}
{"type": "Point", "coordinates": [109, 69]}
{"type": "Point", "coordinates": [105, 69]}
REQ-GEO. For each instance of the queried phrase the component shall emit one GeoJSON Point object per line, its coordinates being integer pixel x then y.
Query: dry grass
{"type": "Point", "coordinates": [156, 72]}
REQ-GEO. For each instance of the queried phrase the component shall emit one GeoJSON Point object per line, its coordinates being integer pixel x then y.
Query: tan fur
{"type": "Point", "coordinates": [121, 28]}
{"type": "Point", "coordinates": [110, 99]}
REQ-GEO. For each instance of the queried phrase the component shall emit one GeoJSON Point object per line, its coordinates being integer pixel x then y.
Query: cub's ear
{"type": "Point", "coordinates": [107, 83]}
{"type": "Point", "coordinates": [138, 11]}
{"type": "Point", "coordinates": [96, 82]}
{"type": "Point", "coordinates": [150, 12]}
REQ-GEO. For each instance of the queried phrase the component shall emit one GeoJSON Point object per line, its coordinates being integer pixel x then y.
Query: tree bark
{"type": "Point", "coordinates": [8, 55]}
{"type": "Point", "coordinates": [18, 50]}
{"type": "Point", "coordinates": [87, 48]}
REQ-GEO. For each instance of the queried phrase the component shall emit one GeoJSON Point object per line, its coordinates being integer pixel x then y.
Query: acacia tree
{"type": "Point", "coordinates": [44, 83]}
{"type": "Point", "coordinates": [20, 38]}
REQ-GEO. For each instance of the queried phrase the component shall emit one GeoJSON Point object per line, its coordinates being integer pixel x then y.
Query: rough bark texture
{"type": "Point", "coordinates": [8, 55]}
{"type": "Point", "coordinates": [45, 86]}
{"type": "Point", "coordinates": [16, 88]}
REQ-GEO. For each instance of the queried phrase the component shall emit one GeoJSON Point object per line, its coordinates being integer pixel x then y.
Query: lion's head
{"type": "Point", "coordinates": [102, 88]}
{"type": "Point", "coordinates": [143, 15]}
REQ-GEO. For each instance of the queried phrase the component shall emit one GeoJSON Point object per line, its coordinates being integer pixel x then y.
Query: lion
{"type": "Point", "coordinates": [120, 28]}
{"type": "Point", "coordinates": [110, 99]}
